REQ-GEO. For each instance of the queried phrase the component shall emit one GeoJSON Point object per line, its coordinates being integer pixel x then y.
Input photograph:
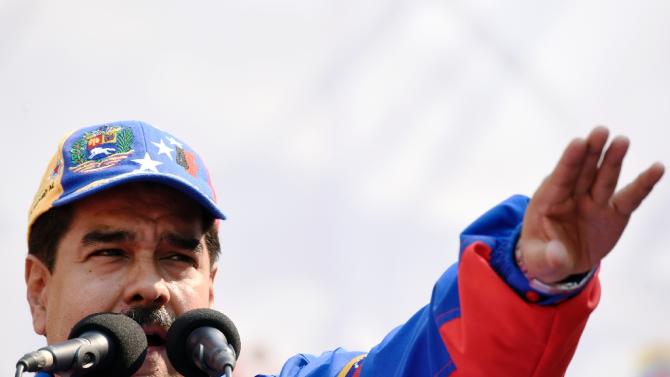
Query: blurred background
{"type": "Point", "coordinates": [350, 143]}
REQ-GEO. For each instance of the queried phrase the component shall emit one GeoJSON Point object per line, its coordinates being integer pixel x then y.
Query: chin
{"type": "Point", "coordinates": [156, 364]}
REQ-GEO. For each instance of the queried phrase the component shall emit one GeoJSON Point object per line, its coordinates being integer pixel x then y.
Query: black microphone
{"type": "Point", "coordinates": [104, 344]}
{"type": "Point", "coordinates": [203, 343]}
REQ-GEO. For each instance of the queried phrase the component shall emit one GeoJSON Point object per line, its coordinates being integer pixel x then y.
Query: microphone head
{"type": "Point", "coordinates": [128, 342]}
{"type": "Point", "coordinates": [182, 328]}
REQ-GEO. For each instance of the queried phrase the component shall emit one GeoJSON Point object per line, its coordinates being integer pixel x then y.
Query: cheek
{"type": "Point", "coordinates": [73, 298]}
{"type": "Point", "coordinates": [189, 293]}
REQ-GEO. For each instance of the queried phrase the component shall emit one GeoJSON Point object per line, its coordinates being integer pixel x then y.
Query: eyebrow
{"type": "Point", "coordinates": [103, 236]}
{"type": "Point", "coordinates": [111, 236]}
{"type": "Point", "coordinates": [181, 242]}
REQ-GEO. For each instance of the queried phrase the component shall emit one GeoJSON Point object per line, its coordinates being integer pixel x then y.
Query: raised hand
{"type": "Point", "coordinates": [576, 217]}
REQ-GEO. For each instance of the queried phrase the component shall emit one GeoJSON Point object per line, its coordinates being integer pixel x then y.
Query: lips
{"type": "Point", "coordinates": [156, 335]}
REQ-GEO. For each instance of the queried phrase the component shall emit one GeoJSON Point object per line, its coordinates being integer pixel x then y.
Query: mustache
{"type": "Point", "coordinates": [151, 316]}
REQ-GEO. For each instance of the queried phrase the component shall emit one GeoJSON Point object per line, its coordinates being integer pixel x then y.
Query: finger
{"type": "Point", "coordinates": [607, 175]}
{"type": "Point", "coordinates": [561, 183]}
{"type": "Point", "coordinates": [630, 197]}
{"type": "Point", "coordinates": [596, 142]}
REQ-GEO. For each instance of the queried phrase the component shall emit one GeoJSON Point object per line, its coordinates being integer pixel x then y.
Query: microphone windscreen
{"type": "Point", "coordinates": [128, 342]}
{"type": "Point", "coordinates": [182, 328]}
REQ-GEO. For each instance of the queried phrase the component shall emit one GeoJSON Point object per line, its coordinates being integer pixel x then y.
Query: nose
{"type": "Point", "coordinates": [145, 286]}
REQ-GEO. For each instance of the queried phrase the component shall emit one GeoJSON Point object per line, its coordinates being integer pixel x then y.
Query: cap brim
{"type": "Point", "coordinates": [167, 179]}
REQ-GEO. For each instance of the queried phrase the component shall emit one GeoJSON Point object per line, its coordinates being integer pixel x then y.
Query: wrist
{"type": "Point", "coordinates": [566, 286]}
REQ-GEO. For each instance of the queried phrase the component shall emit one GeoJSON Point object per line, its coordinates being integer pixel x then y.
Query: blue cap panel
{"type": "Point", "coordinates": [111, 154]}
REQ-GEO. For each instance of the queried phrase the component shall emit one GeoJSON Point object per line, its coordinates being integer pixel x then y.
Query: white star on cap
{"type": "Point", "coordinates": [175, 142]}
{"type": "Point", "coordinates": [147, 164]}
{"type": "Point", "coordinates": [163, 149]}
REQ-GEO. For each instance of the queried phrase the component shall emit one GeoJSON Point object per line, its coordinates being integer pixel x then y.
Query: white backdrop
{"type": "Point", "coordinates": [350, 142]}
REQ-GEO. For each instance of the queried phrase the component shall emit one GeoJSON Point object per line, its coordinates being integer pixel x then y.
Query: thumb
{"type": "Point", "coordinates": [548, 262]}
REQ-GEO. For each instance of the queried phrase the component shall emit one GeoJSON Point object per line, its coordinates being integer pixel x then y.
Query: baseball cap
{"type": "Point", "coordinates": [99, 157]}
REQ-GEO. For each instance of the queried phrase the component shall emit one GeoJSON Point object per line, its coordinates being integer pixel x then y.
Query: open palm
{"type": "Point", "coordinates": [576, 217]}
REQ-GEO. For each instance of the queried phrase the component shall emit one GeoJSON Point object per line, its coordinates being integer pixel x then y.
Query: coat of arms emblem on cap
{"type": "Point", "coordinates": [101, 149]}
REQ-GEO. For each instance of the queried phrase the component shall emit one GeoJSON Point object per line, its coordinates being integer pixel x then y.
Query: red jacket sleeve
{"type": "Point", "coordinates": [500, 334]}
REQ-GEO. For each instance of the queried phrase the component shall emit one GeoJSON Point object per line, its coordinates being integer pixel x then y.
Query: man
{"type": "Point", "coordinates": [125, 221]}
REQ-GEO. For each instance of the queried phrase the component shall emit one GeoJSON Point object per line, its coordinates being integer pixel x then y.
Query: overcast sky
{"type": "Point", "coordinates": [350, 142]}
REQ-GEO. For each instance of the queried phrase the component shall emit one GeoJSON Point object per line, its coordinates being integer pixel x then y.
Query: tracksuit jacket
{"type": "Point", "coordinates": [484, 319]}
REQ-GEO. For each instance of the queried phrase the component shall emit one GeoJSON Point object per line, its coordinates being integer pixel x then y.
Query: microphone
{"type": "Point", "coordinates": [103, 344]}
{"type": "Point", "coordinates": [203, 343]}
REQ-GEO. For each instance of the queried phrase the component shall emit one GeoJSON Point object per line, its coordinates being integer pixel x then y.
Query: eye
{"type": "Point", "coordinates": [182, 258]}
{"type": "Point", "coordinates": [108, 253]}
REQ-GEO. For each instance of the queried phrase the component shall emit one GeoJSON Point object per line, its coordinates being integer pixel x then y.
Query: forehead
{"type": "Point", "coordinates": [139, 199]}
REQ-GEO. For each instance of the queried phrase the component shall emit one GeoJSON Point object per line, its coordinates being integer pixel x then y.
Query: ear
{"type": "Point", "coordinates": [212, 275]}
{"type": "Point", "coordinates": [37, 277]}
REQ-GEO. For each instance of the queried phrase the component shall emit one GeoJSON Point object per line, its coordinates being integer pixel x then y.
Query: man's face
{"type": "Point", "coordinates": [136, 246]}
